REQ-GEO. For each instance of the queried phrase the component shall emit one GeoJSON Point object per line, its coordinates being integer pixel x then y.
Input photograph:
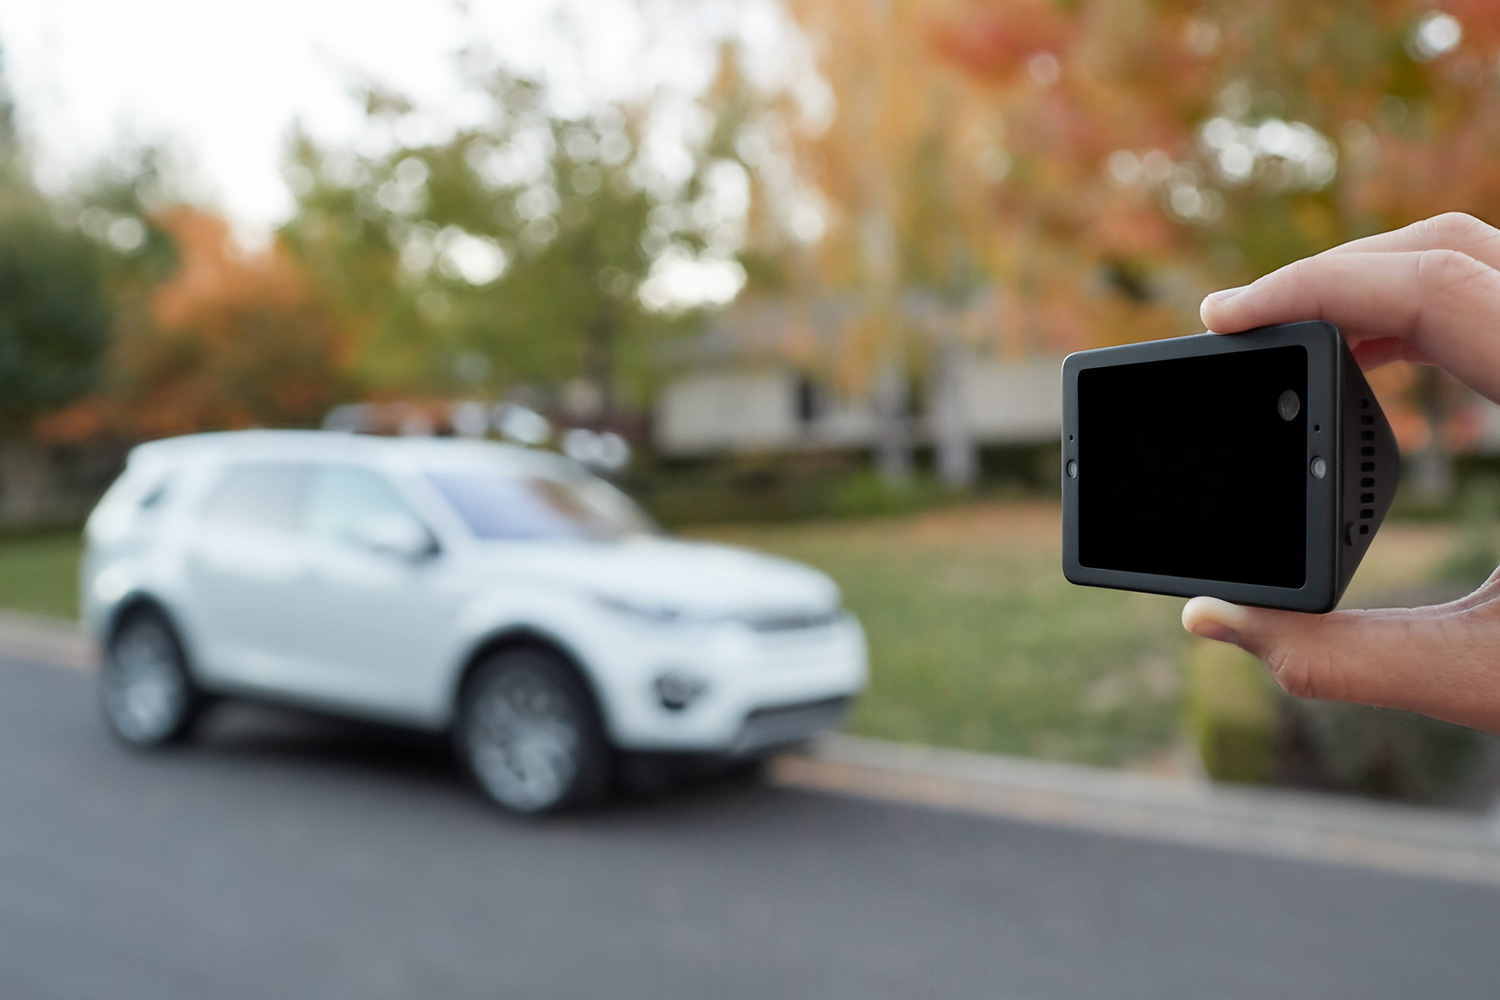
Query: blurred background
{"type": "Point", "coordinates": [796, 274]}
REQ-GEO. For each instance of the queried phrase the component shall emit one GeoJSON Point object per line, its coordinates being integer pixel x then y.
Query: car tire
{"type": "Point", "coordinates": [529, 734]}
{"type": "Point", "coordinates": [145, 688]}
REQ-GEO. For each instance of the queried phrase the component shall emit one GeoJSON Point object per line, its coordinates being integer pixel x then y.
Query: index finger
{"type": "Point", "coordinates": [1443, 302]}
{"type": "Point", "coordinates": [1376, 293]}
{"type": "Point", "coordinates": [1449, 231]}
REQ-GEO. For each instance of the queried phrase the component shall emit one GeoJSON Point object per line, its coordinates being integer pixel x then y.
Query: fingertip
{"type": "Point", "coordinates": [1216, 317]}
{"type": "Point", "coordinates": [1211, 618]}
{"type": "Point", "coordinates": [1225, 294]}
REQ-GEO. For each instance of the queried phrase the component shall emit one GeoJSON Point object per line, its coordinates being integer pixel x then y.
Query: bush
{"type": "Point", "coordinates": [779, 490]}
{"type": "Point", "coordinates": [1247, 731]}
{"type": "Point", "coordinates": [1374, 751]}
{"type": "Point", "coordinates": [1231, 713]}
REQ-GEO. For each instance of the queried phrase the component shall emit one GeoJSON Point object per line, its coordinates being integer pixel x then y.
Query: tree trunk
{"type": "Point", "coordinates": [957, 463]}
{"type": "Point", "coordinates": [892, 426]}
{"type": "Point", "coordinates": [891, 393]}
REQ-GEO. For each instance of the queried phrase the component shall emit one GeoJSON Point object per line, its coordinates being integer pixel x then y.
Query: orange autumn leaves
{"type": "Point", "coordinates": [234, 338]}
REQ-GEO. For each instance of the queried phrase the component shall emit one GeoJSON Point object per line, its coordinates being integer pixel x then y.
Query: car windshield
{"type": "Point", "coordinates": [501, 504]}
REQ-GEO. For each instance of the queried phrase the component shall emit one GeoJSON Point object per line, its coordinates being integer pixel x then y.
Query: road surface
{"type": "Point", "coordinates": [282, 858]}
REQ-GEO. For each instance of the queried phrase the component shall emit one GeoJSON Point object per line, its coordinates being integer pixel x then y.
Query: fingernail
{"type": "Point", "coordinates": [1211, 618]}
{"type": "Point", "coordinates": [1225, 294]}
{"type": "Point", "coordinates": [1216, 632]}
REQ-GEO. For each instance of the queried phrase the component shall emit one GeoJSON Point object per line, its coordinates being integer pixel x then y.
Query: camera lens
{"type": "Point", "coordinates": [1289, 405]}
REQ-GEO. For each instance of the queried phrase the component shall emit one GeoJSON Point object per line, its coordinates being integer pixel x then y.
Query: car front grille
{"type": "Point", "coordinates": [781, 725]}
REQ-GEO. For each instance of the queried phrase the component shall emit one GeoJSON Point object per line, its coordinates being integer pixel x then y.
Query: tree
{"type": "Point", "coordinates": [903, 167]}
{"type": "Point", "coordinates": [227, 338]}
{"type": "Point", "coordinates": [236, 338]}
{"type": "Point", "coordinates": [519, 250]}
{"type": "Point", "coordinates": [54, 321]}
{"type": "Point", "coordinates": [1159, 148]}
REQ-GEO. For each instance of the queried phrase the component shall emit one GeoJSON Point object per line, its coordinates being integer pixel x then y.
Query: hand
{"type": "Point", "coordinates": [1428, 293]}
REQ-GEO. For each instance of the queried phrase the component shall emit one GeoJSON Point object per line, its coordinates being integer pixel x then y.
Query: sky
{"type": "Point", "coordinates": [221, 83]}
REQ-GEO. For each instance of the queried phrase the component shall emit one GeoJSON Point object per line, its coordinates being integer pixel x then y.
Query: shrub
{"type": "Point", "coordinates": [1231, 713]}
{"type": "Point", "coordinates": [1246, 730]}
{"type": "Point", "coordinates": [1374, 751]}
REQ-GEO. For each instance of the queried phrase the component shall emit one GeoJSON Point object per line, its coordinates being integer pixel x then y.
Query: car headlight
{"type": "Point", "coordinates": [661, 615]}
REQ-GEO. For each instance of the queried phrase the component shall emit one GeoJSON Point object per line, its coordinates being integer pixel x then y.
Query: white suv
{"type": "Point", "coordinates": [503, 594]}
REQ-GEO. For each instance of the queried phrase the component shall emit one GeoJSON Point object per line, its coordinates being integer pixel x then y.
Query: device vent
{"type": "Point", "coordinates": [1366, 466]}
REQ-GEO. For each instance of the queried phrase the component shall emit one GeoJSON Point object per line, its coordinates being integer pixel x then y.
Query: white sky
{"type": "Point", "coordinates": [222, 82]}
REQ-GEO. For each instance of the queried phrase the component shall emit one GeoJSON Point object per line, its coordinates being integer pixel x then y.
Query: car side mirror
{"type": "Point", "coordinates": [396, 535]}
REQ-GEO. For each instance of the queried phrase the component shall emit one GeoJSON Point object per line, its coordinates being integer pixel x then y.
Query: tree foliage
{"type": "Point", "coordinates": [515, 250]}
{"type": "Point", "coordinates": [1159, 147]}
{"type": "Point", "coordinates": [54, 317]}
{"type": "Point", "coordinates": [902, 166]}
{"type": "Point", "coordinates": [226, 337]}
{"type": "Point", "coordinates": [238, 338]}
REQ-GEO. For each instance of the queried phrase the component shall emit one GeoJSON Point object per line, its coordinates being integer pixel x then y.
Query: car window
{"type": "Point", "coordinates": [258, 494]}
{"type": "Point", "coordinates": [341, 496]}
{"type": "Point", "coordinates": [503, 504]}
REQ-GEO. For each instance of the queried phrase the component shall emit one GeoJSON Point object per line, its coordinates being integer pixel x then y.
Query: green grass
{"type": "Point", "coordinates": [39, 573]}
{"type": "Point", "coordinates": [978, 642]}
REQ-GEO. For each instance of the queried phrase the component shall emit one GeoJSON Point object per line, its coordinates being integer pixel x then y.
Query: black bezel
{"type": "Point", "coordinates": [1321, 587]}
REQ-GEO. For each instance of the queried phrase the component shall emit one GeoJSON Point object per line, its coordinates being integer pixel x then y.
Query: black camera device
{"type": "Point", "coordinates": [1254, 467]}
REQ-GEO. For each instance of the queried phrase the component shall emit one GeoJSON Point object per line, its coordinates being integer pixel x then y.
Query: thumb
{"type": "Point", "coordinates": [1442, 661]}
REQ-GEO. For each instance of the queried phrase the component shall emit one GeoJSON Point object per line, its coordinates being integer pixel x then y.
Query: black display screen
{"type": "Point", "coordinates": [1190, 467]}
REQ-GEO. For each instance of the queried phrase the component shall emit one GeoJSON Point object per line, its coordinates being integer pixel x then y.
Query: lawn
{"type": "Point", "coordinates": [39, 573]}
{"type": "Point", "coordinates": [977, 641]}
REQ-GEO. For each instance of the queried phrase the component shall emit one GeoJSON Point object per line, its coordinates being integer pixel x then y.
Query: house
{"type": "Point", "coordinates": [751, 383]}
{"type": "Point", "coordinates": [780, 409]}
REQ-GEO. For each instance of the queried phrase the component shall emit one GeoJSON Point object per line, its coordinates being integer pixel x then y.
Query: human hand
{"type": "Point", "coordinates": [1428, 293]}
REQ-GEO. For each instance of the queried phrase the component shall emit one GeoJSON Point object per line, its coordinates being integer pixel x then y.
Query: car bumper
{"type": "Point", "coordinates": [749, 691]}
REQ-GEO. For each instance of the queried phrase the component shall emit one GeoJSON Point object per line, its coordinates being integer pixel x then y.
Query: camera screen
{"type": "Point", "coordinates": [1196, 467]}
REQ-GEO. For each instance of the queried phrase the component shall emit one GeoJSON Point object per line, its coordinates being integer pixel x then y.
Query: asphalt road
{"type": "Point", "coordinates": [287, 859]}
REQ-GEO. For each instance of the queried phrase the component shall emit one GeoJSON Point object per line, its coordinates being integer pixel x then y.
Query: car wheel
{"type": "Point", "coordinates": [148, 697]}
{"type": "Point", "coordinates": [529, 733]}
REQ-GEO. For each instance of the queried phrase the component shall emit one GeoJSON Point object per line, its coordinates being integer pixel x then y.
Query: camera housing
{"type": "Point", "coordinates": [1255, 467]}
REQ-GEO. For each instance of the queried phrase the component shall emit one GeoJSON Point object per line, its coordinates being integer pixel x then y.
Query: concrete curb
{"type": "Point", "coordinates": [42, 637]}
{"type": "Point", "coordinates": [1280, 823]}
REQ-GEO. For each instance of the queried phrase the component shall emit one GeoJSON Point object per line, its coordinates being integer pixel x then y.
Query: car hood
{"type": "Point", "coordinates": [669, 574]}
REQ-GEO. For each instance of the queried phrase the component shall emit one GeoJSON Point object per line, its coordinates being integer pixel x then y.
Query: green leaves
{"type": "Point", "coordinates": [510, 251]}
{"type": "Point", "coordinates": [54, 318]}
